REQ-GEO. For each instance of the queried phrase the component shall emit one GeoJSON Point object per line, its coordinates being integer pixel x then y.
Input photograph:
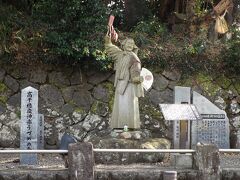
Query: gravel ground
{"type": "Point", "coordinates": [230, 160]}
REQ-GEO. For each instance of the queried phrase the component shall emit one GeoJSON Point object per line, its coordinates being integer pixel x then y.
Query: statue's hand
{"type": "Point", "coordinates": [137, 80]}
{"type": "Point", "coordinates": [109, 31]}
{"type": "Point", "coordinates": [108, 36]}
{"type": "Point", "coordinates": [107, 39]}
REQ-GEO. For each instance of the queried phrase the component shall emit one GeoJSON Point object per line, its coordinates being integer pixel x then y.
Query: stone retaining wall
{"type": "Point", "coordinates": [112, 173]}
{"type": "Point", "coordinates": [80, 101]}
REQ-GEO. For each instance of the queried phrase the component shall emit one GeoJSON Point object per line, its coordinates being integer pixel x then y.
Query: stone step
{"type": "Point", "coordinates": [51, 167]}
{"type": "Point", "coordinates": [139, 172]}
{"type": "Point", "coordinates": [34, 174]}
{"type": "Point", "coordinates": [113, 172]}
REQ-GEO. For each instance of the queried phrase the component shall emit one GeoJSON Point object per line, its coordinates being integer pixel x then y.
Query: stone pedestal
{"type": "Point", "coordinates": [81, 161]}
{"type": "Point", "coordinates": [207, 161]}
{"type": "Point", "coordinates": [129, 158]}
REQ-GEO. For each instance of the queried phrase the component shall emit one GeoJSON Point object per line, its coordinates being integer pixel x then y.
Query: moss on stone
{"type": "Point", "coordinates": [16, 72]}
{"type": "Point", "coordinates": [94, 107]}
{"type": "Point", "coordinates": [186, 81]}
{"type": "Point", "coordinates": [223, 81]}
{"type": "Point", "coordinates": [3, 99]}
{"type": "Point", "coordinates": [151, 111]}
{"type": "Point", "coordinates": [79, 110]}
{"type": "Point", "coordinates": [237, 86]}
{"type": "Point", "coordinates": [71, 102]}
{"type": "Point", "coordinates": [3, 89]}
{"type": "Point", "coordinates": [109, 86]}
{"type": "Point", "coordinates": [110, 103]}
{"type": "Point", "coordinates": [18, 113]}
{"type": "Point", "coordinates": [99, 108]}
{"type": "Point", "coordinates": [232, 89]}
{"type": "Point", "coordinates": [206, 83]}
{"type": "Point", "coordinates": [201, 78]}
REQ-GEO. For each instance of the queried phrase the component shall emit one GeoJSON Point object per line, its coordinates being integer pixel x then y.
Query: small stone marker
{"type": "Point", "coordinates": [207, 162]}
{"type": "Point", "coordinates": [81, 161]}
{"type": "Point", "coordinates": [40, 135]}
{"type": "Point", "coordinates": [29, 124]}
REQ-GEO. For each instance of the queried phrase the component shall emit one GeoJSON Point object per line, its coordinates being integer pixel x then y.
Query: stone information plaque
{"type": "Point", "coordinates": [196, 119]}
{"type": "Point", "coordinates": [214, 128]}
{"type": "Point", "coordinates": [40, 134]}
{"type": "Point", "coordinates": [29, 124]}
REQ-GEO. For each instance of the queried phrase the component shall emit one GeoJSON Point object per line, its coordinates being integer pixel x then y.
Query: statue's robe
{"type": "Point", "coordinates": [126, 107]}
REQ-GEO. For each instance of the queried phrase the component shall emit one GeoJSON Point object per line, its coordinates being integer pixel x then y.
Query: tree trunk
{"type": "Point", "coordinates": [177, 4]}
{"type": "Point", "coordinates": [222, 6]}
{"type": "Point", "coordinates": [163, 8]}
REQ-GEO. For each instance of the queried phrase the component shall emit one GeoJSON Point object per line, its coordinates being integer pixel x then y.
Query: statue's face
{"type": "Point", "coordinates": [129, 45]}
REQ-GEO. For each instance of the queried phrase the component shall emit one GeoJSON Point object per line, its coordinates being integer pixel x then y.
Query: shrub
{"type": "Point", "coordinates": [75, 29]}
{"type": "Point", "coordinates": [151, 27]}
{"type": "Point", "coordinates": [11, 27]}
{"type": "Point", "coordinates": [231, 56]}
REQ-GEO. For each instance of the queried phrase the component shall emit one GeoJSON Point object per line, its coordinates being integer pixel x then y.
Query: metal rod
{"type": "Point", "coordinates": [17, 151]}
{"type": "Point", "coordinates": [229, 150]}
{"type": "Point", "coordinates": [147, 150]}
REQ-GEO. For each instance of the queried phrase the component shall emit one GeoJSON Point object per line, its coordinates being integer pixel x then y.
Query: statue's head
{"type": "Point", "coordinates": [129, 45]}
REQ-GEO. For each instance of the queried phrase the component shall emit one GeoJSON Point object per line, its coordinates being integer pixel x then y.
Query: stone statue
{"type": "Point", "coordinates": [128, 83]}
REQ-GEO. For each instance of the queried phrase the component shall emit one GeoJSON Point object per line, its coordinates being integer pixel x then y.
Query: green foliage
{"type": "Point", "coordinates": [195, 48]}
{"type": "Point", "coordinates": [153, 58]}
{"type": "Point", "coordinates": [5, 29]}
{"type": "Point", "coordinates": [63, 31]}
{"type": "Point", "coordinates": [201, 7]}
{"type": "Point", "coordinates": [150, 35]}
{"type": "Point", "coordinates": [23, 5]}
{"type": "Point", "coordinates": [18, 35]}
{"type": "Point", "coordinates": [116, 8]}
{"type": "Point", "coordinates": [75, 28]}
{"type": "Point", "coordinates": [151, 27]}
{"type": "Point", "coordinates": [231, 56]}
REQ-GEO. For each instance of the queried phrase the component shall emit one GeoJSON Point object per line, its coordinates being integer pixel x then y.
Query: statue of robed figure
{"type": "Point", "coordinates": [128, 83]}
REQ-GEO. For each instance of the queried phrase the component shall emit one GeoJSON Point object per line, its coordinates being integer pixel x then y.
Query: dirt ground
{"type": "Point", "coordinates": [48, 161]}
{"type": "Point", "coordinates": [56, 161]}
